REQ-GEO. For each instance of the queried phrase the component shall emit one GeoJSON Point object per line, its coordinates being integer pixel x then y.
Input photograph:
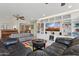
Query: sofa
{"type": "Point", "coordinates": [12, 47]}
{"type": "Point", "coordinates": [55, 49]}
{"type": "Point", "coordinates": [73, 50]}
{"type": "Point", "coordinates": [61, 47]}
{"type": "Point", "coordinates": [58, 47]}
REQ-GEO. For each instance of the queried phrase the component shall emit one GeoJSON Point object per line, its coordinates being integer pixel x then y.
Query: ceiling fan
{"type": "Point", "coordinates": [19, 17]}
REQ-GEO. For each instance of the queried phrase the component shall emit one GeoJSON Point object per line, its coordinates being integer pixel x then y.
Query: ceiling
{"type": "Point", "coordinates": [33, 11]}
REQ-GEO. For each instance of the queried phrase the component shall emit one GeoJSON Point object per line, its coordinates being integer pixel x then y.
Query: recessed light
{"type": "Point", "coordinates": [70, 6]}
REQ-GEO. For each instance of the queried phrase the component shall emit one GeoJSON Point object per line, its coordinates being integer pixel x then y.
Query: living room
{"type": "Point", "coordinates": [39, 29]}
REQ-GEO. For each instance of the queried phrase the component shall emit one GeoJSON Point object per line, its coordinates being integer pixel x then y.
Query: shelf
{"type": "Point", "coordinates": [7, 33]}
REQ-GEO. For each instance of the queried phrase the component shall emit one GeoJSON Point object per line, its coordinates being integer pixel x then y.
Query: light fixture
{"type": "Point", "coordinates": [63, 4]}
{"type": "Point", "coordinates": [46, 3]}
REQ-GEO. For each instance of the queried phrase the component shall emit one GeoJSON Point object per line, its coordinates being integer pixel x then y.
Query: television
{"type": "Point", "coordinates": [53, 26]}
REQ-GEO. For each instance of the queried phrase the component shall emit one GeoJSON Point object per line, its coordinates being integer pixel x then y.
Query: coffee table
{"type": "Point", "coordinates": [38, 44]}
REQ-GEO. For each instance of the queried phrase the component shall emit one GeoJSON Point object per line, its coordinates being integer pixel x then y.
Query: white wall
{"type": "Point", "coordinates": [13, 22]}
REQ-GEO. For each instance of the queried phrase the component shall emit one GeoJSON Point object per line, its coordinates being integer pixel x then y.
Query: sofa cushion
{"type": "Point", "coordinates": [73, 50]}
{"type": "Point", "coordinates": [50, 52]}
{"type": "Point", "coordinates": [64, 40]}
{"type": "Point", "coordinates": [38, 53]}
{"type": "Point", "coordinates": [58, 45]}
{"type": "Point", "coordinates": [75, 41]}
{"type": "Point", "coordinates": [10, 41]}
{"type": "Point", "coordinates": [54, 51]}
{"type": "Point", "coordinates": [19, 50]}
{"type": "Point", "coordinates": [3, 52]}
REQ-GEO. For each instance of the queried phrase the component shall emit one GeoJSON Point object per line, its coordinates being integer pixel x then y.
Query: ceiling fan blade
{"type": "Point", "coordinates": [19, 17]}
{"type": "Point", "coordinates": [22, 17]}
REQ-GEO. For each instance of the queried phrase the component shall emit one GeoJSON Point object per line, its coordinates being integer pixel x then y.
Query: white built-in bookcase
{"type": "Point", "coordinates": [70, 18]}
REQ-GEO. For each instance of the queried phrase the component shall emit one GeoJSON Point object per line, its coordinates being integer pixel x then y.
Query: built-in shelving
{"type": "Point", "coordinates": [67, 24]}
